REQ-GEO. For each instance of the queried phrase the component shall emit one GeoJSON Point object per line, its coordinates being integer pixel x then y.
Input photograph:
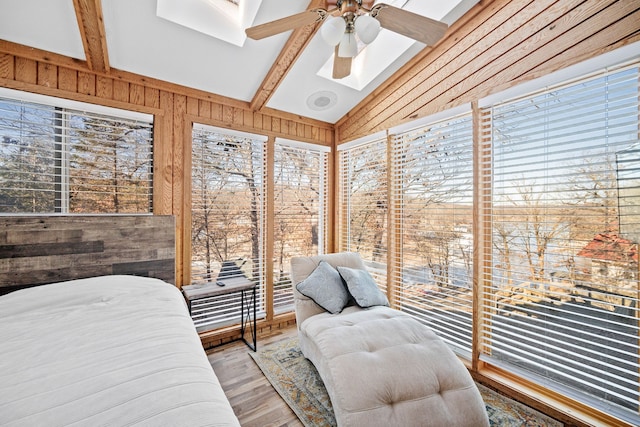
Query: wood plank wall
{"type": "Point", "coordinates": [40, 249]}
{"type": "Point", "coordinates": [174, 107]}
{"type": "Point", "coordinates": [496, 45]}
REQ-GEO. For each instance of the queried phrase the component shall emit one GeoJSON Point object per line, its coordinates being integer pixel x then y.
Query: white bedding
{"type": "Point", "coordinates": [105, 351]}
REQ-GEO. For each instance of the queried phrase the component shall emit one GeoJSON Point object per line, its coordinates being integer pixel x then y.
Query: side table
{"type": "Point", "coordinates": [240, 285]}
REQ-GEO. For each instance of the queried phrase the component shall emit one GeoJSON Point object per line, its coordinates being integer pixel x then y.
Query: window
{"type": "Point", "coordinates": [300, 195]}
{"type": "Point", "coordinates": [432, 182]}
{"type": "Point", "coordinates": [364, 206]}
{"type": "Point", "coordinates": [530, 225]}
{"type": "Point", "coordinates": [227, 215]}
{"type": "Point", "coordinates": [561, 293]}
{"type": "Point", "coordinates": [64, 157]}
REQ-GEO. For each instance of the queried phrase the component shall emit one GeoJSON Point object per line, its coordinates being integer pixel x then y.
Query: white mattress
{"type": "Point", "coordinates": [105, 351]}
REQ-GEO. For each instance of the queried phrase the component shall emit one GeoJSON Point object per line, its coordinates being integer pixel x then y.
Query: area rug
{"type": "Point", "coordinates": [297, 381]}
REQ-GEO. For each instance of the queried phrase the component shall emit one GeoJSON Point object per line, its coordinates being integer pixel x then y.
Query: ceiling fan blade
{"type": "Point", "coordinates": [341, 66]}
{"type": "Point", "coordinates": [285, 24]}
{"type": "Point", "coordinates": [418, 27]}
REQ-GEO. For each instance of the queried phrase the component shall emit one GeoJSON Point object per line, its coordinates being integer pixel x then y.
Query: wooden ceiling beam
{"type": "Point", "coordinates": [92, 32]}
{"type": "Point", "coordinates": [297, 42]}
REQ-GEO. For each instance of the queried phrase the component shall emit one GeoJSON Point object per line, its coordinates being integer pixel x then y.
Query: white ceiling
{"type": "Point", "coordinates": [140, 42]}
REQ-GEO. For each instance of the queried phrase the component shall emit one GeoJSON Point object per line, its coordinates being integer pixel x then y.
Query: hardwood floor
{"type": "Point", "coordinates": [254, 400]}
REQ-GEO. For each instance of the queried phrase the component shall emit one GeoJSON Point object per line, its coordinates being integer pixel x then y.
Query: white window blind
{"type": "Point", "coordinates": [364, 207]}
{"type": "Point", "coordinates": [561, 295]}
{"type": "Point", "coordinates": [227, 216]}
{"type": "Point", "coordinates": [300, 195]}
{"type": "Point", "coordinates": [55, 159]}
{"type": "Point", "coordinates": [432, 194]}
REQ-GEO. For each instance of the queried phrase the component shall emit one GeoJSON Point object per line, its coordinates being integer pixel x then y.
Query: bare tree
{"type": "Point", "coordinates": [436, 182]}
{"type": "Point", "coordinates": [503, 244]}
{"type": "Point", "coordinates": [365, 186]}
{"type": "Point", "coordinates": [110, 165]}
{"type": "Point", "coordinates": [26, 167]}
{"type": "Point", "coordinates": [226, 194]}
{"type": "Point", "coordinates": [297, 204]}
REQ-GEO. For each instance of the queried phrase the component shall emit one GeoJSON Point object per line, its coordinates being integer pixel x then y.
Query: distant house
{"type": "Point", "coordinates": [609, 259]}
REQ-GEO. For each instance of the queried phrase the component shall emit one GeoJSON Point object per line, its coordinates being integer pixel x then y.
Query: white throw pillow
{"type": "Point", "coordinates": [325, 287]}
{"type": "Point", "coordinates": [362, 287]}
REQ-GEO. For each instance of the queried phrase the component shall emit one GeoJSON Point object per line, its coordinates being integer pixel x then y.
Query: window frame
{"type": "Point", "coordinates": [377, 260]}
{"type": "Point", "coordinates": [215, 312]}
{"type": "Point", "coordinates": [489, 294]}
{"type": "Point", "coordinates": [320, 154]}
{"type": "Point", "coordinates": [62, 111]}
{"type": "Point", "coordinates": [447, 188]}
{"type": "Point", "coordinates": [482, 206]}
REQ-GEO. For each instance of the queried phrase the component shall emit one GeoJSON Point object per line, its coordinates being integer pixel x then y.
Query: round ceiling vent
{"type": "Point", "coordinates": [322, 100]}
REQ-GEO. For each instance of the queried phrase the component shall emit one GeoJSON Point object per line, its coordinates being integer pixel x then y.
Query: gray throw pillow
{"type": "Point", "coordinates": [325, 287]}
{"type": "Point", "coordinates": [362, 287]}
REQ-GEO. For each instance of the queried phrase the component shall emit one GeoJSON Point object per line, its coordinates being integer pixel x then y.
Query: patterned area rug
{"type": "Point", "coordinates": [297, 381]}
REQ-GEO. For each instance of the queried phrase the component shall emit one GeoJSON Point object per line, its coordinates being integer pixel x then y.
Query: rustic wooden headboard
{"type": "Point", "coordinates": [37, 249]}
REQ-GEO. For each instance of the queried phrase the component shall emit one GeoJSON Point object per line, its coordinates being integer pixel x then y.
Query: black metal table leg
{"type": "Point", "coordinates": [248, 320]}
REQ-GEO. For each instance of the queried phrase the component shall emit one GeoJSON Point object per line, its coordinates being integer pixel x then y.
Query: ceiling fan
{"type": "Point", "coordinates": [346, 19]}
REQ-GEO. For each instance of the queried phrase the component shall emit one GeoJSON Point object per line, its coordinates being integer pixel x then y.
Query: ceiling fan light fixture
{"type": "Point", "coordinates": [333, 29]}
{"type": "Point", "coordinates": [367, 28]}
{"type": "Point", "coordinates": [348, 47]}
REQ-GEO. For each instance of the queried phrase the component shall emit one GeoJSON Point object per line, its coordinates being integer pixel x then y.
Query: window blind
{"type": "Point", "coordinates": [364, 206]}
{"type": "Point", "coordinates": [58, 159]}
{"type": "Point", "coordinates": [432, 199]}
{"type": "Point", "coordinates": [300, 196]}
{"type": "Point", "coordinates": [227, 216]}
{"type": "Point", "coordinates": [561, 294]}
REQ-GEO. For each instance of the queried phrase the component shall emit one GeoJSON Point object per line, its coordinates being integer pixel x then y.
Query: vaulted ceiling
{"type": "Point", "coordinates": [201, 44]}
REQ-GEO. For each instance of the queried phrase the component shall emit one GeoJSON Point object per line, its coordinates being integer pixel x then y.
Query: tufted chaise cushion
{"type": "Point", "coordinates": [381, 367]}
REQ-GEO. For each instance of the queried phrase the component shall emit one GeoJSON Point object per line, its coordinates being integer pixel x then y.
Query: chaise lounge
{"type": "Point", "coordinates": [381, 367]}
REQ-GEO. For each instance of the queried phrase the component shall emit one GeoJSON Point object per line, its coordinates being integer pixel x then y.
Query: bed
{"type": "Point", "coordinates": [111, 349]}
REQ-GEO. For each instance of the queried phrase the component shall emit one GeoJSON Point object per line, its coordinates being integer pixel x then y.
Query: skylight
{"type": "Point", "coordinates": [223, 19]}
